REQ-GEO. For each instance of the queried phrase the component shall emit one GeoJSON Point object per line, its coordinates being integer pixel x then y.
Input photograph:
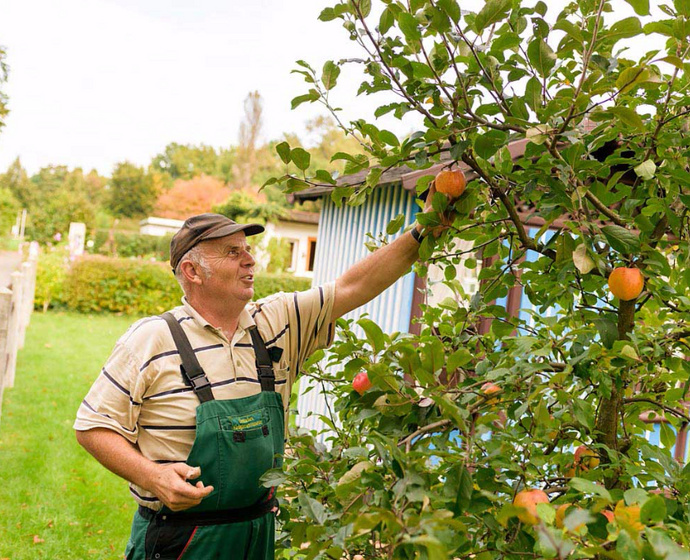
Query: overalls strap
{"type": "Point", "coordinates": [264, 364]}
{"type": "Point", "coordinates": [191, 370]}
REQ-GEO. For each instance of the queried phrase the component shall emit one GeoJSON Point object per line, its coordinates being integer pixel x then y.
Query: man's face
{"type": "Point", "coordinates": [232, 268]}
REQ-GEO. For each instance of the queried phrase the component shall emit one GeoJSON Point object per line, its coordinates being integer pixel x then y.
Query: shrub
{"type": "Point", "coordinates": [139, 287]}
{"type": "Point", "coordinates": [51, 272]}
{"type": "Point", "coordinates": [132, 245]}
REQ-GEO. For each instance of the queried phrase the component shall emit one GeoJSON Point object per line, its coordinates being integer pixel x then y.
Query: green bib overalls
{"type": "Point", "coordinates": [236, 442]}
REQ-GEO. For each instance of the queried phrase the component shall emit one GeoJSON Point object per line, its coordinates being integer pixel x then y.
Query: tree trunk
{"type": "Point", "coordinates": [608, 418]}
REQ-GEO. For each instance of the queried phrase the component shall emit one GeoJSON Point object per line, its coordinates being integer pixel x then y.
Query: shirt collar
{"type": "Point", "coordinates": [246, 320]}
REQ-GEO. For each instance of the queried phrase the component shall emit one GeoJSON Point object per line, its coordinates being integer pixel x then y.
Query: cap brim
{"type": "Point", "coordinates": [248, 229]}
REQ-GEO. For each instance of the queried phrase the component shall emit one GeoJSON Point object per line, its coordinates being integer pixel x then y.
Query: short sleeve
{"type": "Point", "coordinates": [309, 315]}
{"type": "Point", "coordinates": [114, 400]}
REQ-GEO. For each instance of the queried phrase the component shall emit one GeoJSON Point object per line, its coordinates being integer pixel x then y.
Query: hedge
{"type": "Point", "coordinates": [131, 244]}
{"type": "Point", "coordinates": [135, 286]}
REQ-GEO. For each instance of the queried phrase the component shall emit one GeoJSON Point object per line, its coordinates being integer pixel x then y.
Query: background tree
{"type": "Point", "coordinates": [16, 180]}
{"type": "Point", "coordinates": [423, 467]}
{"type": "Point", "coordinates": [188, 161]}
{"type": "Point", "coordinates": [196, 196]}
{"type": "Point", "coordinates": [250, 132]}
{"type": "Point", "coordinates": [132, 192]}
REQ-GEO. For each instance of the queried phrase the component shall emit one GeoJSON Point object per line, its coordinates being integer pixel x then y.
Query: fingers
{"type": "Point", "coordinates": [176, 492]}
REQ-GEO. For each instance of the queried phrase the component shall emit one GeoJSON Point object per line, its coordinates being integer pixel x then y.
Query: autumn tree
{"type": "Point", "coordinates": [195, 196]}
{"type": "Point", "coordinates": [419, 467]}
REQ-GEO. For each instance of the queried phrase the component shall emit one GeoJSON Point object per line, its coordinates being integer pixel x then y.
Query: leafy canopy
{"type": "Point", "coordinates": [577, 152]}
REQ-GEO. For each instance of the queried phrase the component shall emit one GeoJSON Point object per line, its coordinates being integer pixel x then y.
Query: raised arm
{"type": "Point", "coordinates": [367, 278]}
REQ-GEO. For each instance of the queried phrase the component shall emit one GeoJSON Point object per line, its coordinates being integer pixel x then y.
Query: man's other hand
{"type": "Point", "coordinates": [170, 486]}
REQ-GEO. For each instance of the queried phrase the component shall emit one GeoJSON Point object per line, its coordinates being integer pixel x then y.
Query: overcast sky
{"type": "Point", "coordinates": [95, 82]}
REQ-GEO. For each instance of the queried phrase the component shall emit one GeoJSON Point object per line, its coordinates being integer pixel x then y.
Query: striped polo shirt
{"type": "Point", "coordinates": [140, 393]}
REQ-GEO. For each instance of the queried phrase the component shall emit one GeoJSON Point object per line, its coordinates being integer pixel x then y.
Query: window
{"type": "Point", "coordinates": [311, 253]}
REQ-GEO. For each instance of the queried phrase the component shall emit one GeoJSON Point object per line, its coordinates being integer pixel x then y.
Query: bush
{"type": "Point", "coordinates": [132, 245]}
{"type": "Point", "coordinates": [133, 287]}
{"type": "Point", "coordinates": [51, 272]}
{"type": "Point", "coordinates": [138, 287]}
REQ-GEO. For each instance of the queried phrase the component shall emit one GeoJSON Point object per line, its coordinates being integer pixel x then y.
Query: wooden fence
{"type": "Point", "coordinates": [16, 306]}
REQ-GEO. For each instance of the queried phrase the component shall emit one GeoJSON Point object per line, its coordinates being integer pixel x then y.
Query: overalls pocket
{"type": "Point", "coordinates": [247, 451]}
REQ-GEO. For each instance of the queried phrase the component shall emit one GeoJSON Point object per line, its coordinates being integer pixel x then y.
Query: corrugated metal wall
{"type": "Point", "coordinates": [340, 244]}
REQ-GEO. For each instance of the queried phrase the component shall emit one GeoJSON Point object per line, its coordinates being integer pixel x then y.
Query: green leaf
{"type": "Point", "coordinates": [590, 487]}
{"type": "Point", "coordinates": [330, 74]}
{"type": "Point", "coordinates": [386, 22]}
{"type": "Point", "coordinates": [373, 333]}
{"type": "Point", "coordinates": [608, 331]}
{"type": "Point", "coordinates": [621, 239]}
{"type": "Point", "coordinates": [457, 359]}
{"type": "Point", "coordinates": [541, 56]}
{"type": "Point", "coordinates": [492, 12]}
{"type": "Point", "coordinates": [626, 547]}
{"type": "Point", "coordinates": [312, 508]}
{"type": "Point", "coordinates": [364, 7]}
{"type": "Point", "coordinates": [373, 176]}
{"type": "Point", "coordinates": [310, 97]}
{"type": "Point", "coordinates": [630, 77]}
{"type": "Point", "coordinates": [409, 26]}
{"type": "Point", "coordinates": [653, 510]}
{"type": "Point", "coordinates": [486, 145]}
{"type": "Point", "coordinates": [395, 224]}
{"type": "Point", "coordinates": [324, 176]}
{"type": "Point", "coordinates": [628, 116]}
{"type": "Point", "coordinates": [283, 150]}
{"type": "Point", "coordinates": [533, 93]}
{"type": "Point", "coordinates": [625, 28]}
{"type": "Point", "coordinates": [646, 170]}
{"type": "Point", "coordinates": [389, 138]}
{"type": "Point", "coordinates": [582, 260]}
{"type": "Point", "coordinates": [664, 546]}
{"type": "Point", "coordinates": [641, 7]}
{"type": "Point", "coordinates": [300, 158]}
{"type": "Point", "coordinates": [465, 487]}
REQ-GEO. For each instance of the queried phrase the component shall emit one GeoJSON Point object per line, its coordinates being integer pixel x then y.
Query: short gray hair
{"type": "Point", "coordinates": [196, 256]}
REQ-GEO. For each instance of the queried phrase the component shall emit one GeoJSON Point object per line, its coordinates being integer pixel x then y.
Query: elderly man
{"type": "Point", "coordinates": [190, 407]}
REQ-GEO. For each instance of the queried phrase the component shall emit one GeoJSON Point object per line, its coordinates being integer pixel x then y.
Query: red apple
{"type": "Point", "coordinates": [528, 499]}
{"type": "Point", "coordinates": [361, 382]}
{"type": "Point", "coordinates": [586, 458]}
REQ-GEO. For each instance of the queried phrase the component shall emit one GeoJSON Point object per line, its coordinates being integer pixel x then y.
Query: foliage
{"type": "Point", "coordinates": [246, 206]}
{"type": "Point", "coordinates": [134, 287]}
{"type": "Point", "coordinates": [131, 244]}
{"type": "Point", "coordinates": [425, 465]}
{"type": "Point", "coordinates": [139, 287]}
{"type": "Point", "coordinates": [187, 198]}
{"type": "Point", "coordinates": [9, 207]}
{"type": "Point", "coordinates": [279, 255]}
{"type": "Point", "coordinates": [187, 161]}
{"type": "Point", "coordinates": [51, 272]}
{"type": "Point", "coordinates": [3, 78]}
{"type": "Point", "coordinates": [63, 206]}
{"type": "Point", "coordinates": [55, 498]}
{"type": "Point", "coordinates": [18, 183]}
{"type": "Point", "coordinates": [132, 191]}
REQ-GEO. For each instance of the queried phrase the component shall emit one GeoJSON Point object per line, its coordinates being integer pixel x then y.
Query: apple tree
{"type": "Point", "coordinates": [428, 462]}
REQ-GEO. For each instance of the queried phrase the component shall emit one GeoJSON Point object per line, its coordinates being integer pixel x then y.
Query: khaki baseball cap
{"type": "Point", "coordinates": [202, 227]}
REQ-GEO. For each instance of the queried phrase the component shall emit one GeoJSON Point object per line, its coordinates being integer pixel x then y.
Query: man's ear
{"type": "Point", "coordinates": [190, 272]}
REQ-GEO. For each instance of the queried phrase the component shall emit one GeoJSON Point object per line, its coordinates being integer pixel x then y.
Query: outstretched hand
{"type": "Point", "coordinates": [170, 486]}
{"type": "Point", "coordinates": [446, 217]}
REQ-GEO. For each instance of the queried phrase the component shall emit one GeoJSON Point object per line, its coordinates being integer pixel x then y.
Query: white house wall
{"type": "Point", "coordinates": [293, 231]}
{"type": "Point", "coordinates": [341, 237]}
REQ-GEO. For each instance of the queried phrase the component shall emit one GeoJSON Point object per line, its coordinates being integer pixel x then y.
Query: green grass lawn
{"type": "Point", "coordinates": [56, 501]}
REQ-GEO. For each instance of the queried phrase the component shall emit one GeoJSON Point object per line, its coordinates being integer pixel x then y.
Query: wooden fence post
{"type": "Point", "coordinates": [14, 329]}
{"type": "Point", "coordinates": [5, 313]}
{"type": "Point", "coordinates": [24, 309]}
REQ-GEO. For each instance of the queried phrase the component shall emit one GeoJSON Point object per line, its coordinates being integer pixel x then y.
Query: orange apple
{"type": "Point", "coordinates": [528, 499]}
{"type": "Point", "coordinates": [489, 389]}
{"type": "Point", "coordinates": [361, 382]}
{"type": "Point", "coordinates": [586, 458]}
